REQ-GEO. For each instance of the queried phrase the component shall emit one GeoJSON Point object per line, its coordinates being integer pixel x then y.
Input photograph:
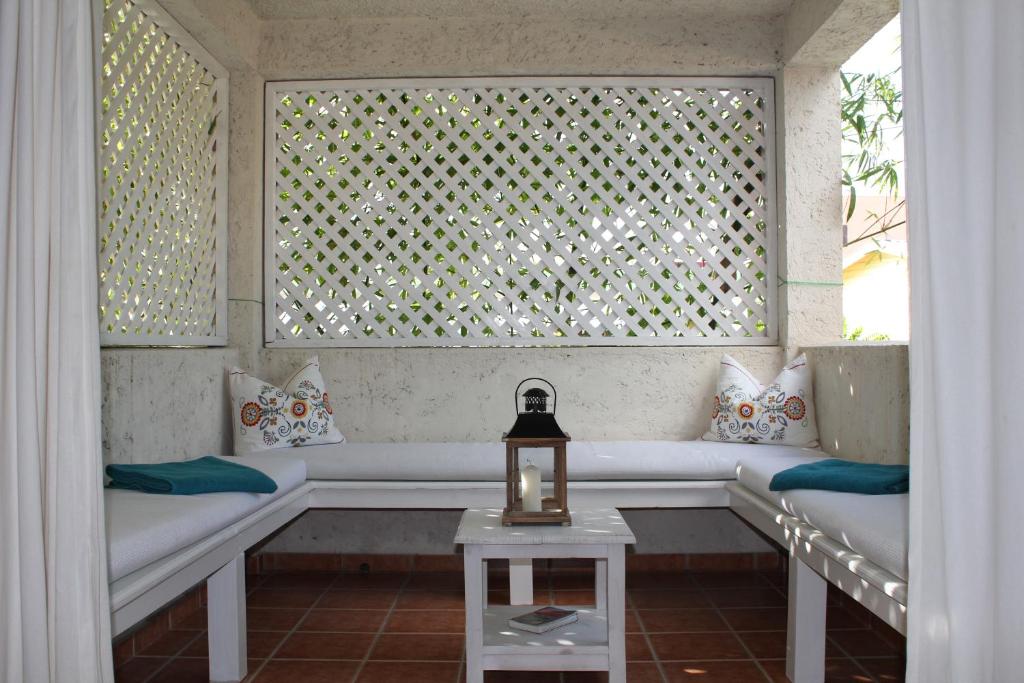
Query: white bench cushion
{"type": "Point", "coordinates": [873, 526]}
{"type": "Point", "coordinates": [587, 460]}
{"type": "Point", "coordinates": [145, 527]}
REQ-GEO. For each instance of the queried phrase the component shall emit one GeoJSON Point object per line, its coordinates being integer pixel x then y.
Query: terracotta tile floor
{"type": "Point", "coordinates": [695, 626]}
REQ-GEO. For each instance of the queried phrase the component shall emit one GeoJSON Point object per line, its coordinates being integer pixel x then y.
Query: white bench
{"type": "Point", "coordinates": [856, 542]}
{"type": "Point", "coordinates": [626, 474]}
{"type": "Point", "coordinates": [161, 546]}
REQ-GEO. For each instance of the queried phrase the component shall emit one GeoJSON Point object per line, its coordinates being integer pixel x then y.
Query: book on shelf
{"type": "Point", "coordinates": [543, 620]}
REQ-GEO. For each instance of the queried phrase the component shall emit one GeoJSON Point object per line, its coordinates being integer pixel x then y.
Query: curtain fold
{"type": "Point", "coordinates": [54, 608]}
{"type": "Point", "coordinates": [964, 99]}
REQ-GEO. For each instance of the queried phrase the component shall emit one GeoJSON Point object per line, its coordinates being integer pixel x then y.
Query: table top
{"type": "Point", "coordinates": [605, 526]}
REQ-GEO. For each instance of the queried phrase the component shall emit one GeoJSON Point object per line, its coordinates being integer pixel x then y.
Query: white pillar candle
{"type": "Point", "coordinates": [531, 488]}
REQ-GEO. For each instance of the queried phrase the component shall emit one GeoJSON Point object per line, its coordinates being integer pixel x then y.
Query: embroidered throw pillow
{"type": "Point", "coordinates": [780, 413]}
{"type": "Point", "coordinates": [266, 416]}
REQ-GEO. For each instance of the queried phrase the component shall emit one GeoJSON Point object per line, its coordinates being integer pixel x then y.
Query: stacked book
{"type": "Point", "coordinates": [543, 620]}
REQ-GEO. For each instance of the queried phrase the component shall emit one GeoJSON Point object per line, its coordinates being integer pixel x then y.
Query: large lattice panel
{"type": "Point", "coordinates": [464, 214]}
{"type": "Point", "coordinates": [163, 171]}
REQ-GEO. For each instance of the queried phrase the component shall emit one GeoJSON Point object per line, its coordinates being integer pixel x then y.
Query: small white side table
{"type": "Point", "coordinates": [597, 642]}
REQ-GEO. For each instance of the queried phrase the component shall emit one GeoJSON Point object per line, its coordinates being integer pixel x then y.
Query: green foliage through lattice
{"type": "Point", "coordinates": [161, 166]}
{"type": "Point", "coordinates": [519, 214]}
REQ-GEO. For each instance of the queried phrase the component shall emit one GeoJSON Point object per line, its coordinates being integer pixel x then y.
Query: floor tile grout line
{"type": "Point", "coordinates": [351, 659]}
{"type": "Point", "coordinates": [736, 635]}
{"type": "Point", "coordinates": [171, 658]}
{"type": "Point", "coordinates": [254, 674]}
{"type": "Point", "coordinates": [846, 654]}
{"type": "Point", "coordinates": [647, 639]}
{"type": "Point", "coordinates": [383, 625]}
{"type": "Point", "coordinates": [408, 586]}
{"type": "Point", "coordinates": [462, 659]}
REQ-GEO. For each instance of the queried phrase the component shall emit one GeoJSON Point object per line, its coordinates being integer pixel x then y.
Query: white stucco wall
{"type": "Point", "coordinates": [167, 404]}
{"type": "Point", "coordinates": [467, 394]}
{"type": "Point", "coordinates": [862, 397]}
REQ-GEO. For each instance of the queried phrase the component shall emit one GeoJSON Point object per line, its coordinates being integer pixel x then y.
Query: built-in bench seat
{"type": "Point", "coordinates": [163, 545]}
{"type": "Point", "coordinates": [624, 474]}
{"type": "Point", "coordinates": [874, 527]}
{"type": "Point", "coordinates": [588, 461]}
{"type": "Point", "coordinates": [143, 528]}
{"type": "Point", "coordinates": [856, 542]}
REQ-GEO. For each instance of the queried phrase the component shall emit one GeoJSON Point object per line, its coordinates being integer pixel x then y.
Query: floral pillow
{"type": "Point", "coordinates": [266, 416]}
{"type": "Point", "coordinates": [780, 413]}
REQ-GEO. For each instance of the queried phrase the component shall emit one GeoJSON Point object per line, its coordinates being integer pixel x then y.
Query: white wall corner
{"type": "Point", "coordinates": [825, 33]}
{"type": "Point", "coordinates": [229, 29]}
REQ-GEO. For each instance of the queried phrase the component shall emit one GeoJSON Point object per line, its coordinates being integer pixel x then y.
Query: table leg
{"type": "Point", "coordinates": [616, 583]}
{"type": "Point", "coordinates": [475, 592]}
{"type": "Point", "coordinates": [520, 581]}
{"type": "Point", "coordinates": [601, 582]}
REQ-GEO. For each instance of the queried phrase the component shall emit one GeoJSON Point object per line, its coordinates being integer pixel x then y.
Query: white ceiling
{"type": "Point", "coordinates": [508, 9]}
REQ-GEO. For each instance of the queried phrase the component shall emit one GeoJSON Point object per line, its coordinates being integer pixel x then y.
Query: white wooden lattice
{"type": "Point", "coordinates": [462, 213]}
{"type": "Point", "coordinates": [163, 182]}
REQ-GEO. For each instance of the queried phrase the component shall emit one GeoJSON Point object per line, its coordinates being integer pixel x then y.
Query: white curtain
{"type": "Point", "coordinates": [54, 610]}
{"type": "Point", "coordinates": [964, 96]}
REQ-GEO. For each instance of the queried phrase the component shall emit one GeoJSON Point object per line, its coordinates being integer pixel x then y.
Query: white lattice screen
{"type": "Point", "coordinates": [163, 176]}
{"type": "Point", "coordinates": [462, 213]}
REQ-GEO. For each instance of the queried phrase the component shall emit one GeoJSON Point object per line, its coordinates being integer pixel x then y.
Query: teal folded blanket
{"type": "Point", "coordinates": [843, 475]}
{"type": "Point", "coordinates": [204, 475]}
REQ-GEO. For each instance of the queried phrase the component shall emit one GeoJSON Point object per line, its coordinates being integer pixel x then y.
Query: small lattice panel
{"type": "Point", "coordinates": [457, 213]}
{"type": "Point", "coordinates": [163, 171]}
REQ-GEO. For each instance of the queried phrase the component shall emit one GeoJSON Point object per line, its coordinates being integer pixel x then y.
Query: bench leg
{"type": "Point", "coordinates": [226, 621]}
{"type": "Point", "coordinates": [805, 635]}
{"type": "Point", "coordinates": [520, 581]}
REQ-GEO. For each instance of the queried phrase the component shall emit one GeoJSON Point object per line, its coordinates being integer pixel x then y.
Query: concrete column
{"type": "Point", "coordinates": [245, 227]}
{"type": "Point", "coordinates": [810, 203]}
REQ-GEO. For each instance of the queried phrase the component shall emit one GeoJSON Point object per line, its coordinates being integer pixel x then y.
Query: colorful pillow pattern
{"type": "Point", "coordinates": [780, 413]}
{"type": "Point", "coordinates": [266, 416]}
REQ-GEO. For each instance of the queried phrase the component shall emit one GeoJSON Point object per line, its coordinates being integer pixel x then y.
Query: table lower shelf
{"type": "Point", "coordinates": [588, 636]}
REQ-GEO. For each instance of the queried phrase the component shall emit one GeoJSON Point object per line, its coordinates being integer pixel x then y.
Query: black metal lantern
{"type": "Point", "coordinates": [535, 427]}
{"type": "Point", "coordinates": [534, 421]}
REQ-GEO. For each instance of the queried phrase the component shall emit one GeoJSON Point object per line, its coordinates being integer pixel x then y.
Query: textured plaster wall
{"type": "Point", "coordinates": [828, 32]}
{"type": "Point", "coordinates": [474, 46]}
{"type": "Point", "coordinates": [862, 396]}
{"type": "Point", "coordinates": [810, 233]}
{"type": "Point", "coordinates": [467, 394]}
{"type": "Point", "coordinates": [164, 404]}
{"type": "Point", "coordinates": [229, 29]}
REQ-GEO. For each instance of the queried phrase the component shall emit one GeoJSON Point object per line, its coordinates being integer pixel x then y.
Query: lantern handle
{"type": "Point", "coordinates": [554, 392]}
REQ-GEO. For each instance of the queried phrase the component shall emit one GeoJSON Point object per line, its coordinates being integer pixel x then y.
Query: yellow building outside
{"type": "Point", "coordinates": [876, 291]}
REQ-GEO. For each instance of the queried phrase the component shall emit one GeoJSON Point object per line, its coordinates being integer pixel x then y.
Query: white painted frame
{"type": "Point", "coordinates": [764, 84]}
{"type": "Point", "coordinates": [155, 11]}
